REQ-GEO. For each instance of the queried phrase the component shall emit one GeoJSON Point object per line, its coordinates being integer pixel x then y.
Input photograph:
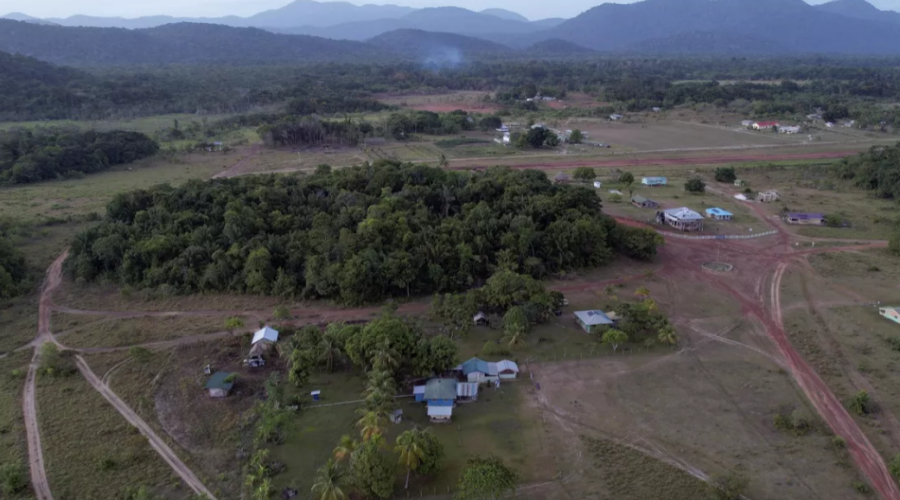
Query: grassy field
{"type": "Point", "coordinates": [815, 190]}
{"type": "Point", "coordinates": [13, 447]}
{"type": "Point", "coordinates": [656, 135]}
{"type": "Point", "coordinates": [90, 451]}
{"type": "Point", "coordinates": [58, 200]}
{"type": "Point", "coordinates": [95, 331]}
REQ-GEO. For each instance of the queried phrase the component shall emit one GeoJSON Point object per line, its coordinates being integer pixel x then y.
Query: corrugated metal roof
{"type": "Point", "coordinates": [440, 388]}
{"type": "Point", "coordinates": [507, 365]}
{"type": "Point", "coordinates": [683, 213]}
{"type": "Point", "coordinates": [217, 381]}
{"type": "Point", "coordinates": [440, 411]}
{"type": "Point", "coordinates": [467, 390]}
{"type": "Point", "coordinates": [476, 365]}
{"type": "Point", "coordinates": [593, 318]}
{"type": "Point", "coordinates": [266, 333]}
{"type": "Point", "coordinates": [419, 389]}
{"type": "Point", "coordinates": [718, 211]}
{"type": "Point", "coordinates": [805, 216]}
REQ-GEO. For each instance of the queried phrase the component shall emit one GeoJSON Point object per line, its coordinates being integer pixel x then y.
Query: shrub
{"type": "Point", "coordinates": [615, 198]}
{"type": "Point", "coordinates": [139, 354]}
{"type": "Point", "coordinates": [832, 220]}
{"type": "Point", "coordinates": [894, 466]}
{"type": "Point", "coordinates": [626, 178]}
{"type": "Point", "coordinates": [725, 174]}
{"type": "Point", "coordinates": [282, 312]}
{"type": "Point", "coordinates": [895, 343]}
{"type": "Point", "coordinates": [838, 443]}
{"type": "Point", "coordinates": [861, 487]}
{"type": "Point", "coordinates": [13, 478]}
{"type": "Point", "coordinates": [861, 404]}
{"type": "Point", "coordinates": [695, 185]}
{"type": "Point", "coordinates": [106, 463]}
{"type": "Point", "coordinates": [731, 486]}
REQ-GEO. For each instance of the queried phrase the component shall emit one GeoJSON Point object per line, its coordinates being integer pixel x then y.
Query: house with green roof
{"type": "Point", "coordinates": [220, 384]}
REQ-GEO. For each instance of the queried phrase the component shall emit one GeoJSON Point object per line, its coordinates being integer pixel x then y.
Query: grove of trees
{"type": "Point", "coordinates": [13, 271]}
{"type": "Point", "coordinates": [356, 235]}
{"type": "Point", "coordinates": [32, 155]}
{"type": "Point", "coordinates": [875, 170]}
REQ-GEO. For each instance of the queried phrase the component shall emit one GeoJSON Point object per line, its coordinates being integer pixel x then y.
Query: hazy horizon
{"type": "Point", "coordinates": [244, 8]}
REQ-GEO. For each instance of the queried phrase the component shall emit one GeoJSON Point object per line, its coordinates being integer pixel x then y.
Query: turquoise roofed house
{"type": "Point", "coordinates": [718, 214]}
{"type": "Point", "coordinates": [891, 313]}
{"type": "Point", "coordinates": [654, 181]}
{"type": "Point", "coordinates": [593, 321]}
{"type": "Point", "coordinates": [478, 370]}
{"type": "Point", "coordinates": [220, 384]}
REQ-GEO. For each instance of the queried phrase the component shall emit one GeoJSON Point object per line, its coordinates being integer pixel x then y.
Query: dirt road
{"type": "Point", "coordinates": [183, 471]}
{"type": "Point", "coordinates": [29, 400]}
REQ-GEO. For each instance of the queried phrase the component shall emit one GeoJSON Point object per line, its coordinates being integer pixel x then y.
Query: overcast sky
{"type": "Point", "coordinates": [532, 9]}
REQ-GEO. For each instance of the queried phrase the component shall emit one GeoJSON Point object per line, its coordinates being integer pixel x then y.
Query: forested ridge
{"type": "Point", "coordinates": [355, 235]}
{"type": "Point", "coordinates": [32, 155]}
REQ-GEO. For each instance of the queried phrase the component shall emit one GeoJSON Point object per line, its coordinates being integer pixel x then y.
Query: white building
{"type": "Point", "coordinates": [684, 219]}
{"type": "Point", "coordinates": [789, 129]}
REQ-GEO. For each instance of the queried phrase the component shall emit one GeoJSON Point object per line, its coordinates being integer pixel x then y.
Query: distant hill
{"type": "Point", "coordinates": [438, 19]}
{"type": "Point", "coordinates": [172, 43]}
{"type": "Point", "coordinates": [31, 88]}
{"type": "Point", "coordinates": [548, 23]}
{"type": "Point", "coordinates": [860, 9]}
{"type": "Point", "coordinates": [505, 14]}
{"type": "Point", "coordinates": [298, 13]}
{"type": "Point", "coordinates": [18, 16]}
{"type": "Point", "coordinates": [708, 43]}
{"type": "Point", "coordinates": [439, 49]}
{"type": "Point", "coordinates": [793, 24]}
{"type": "Point", "coordinates": [557, 47]}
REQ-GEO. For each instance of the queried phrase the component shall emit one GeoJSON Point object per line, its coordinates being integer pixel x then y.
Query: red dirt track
{"type": "Point", "coordinates": [698, 160]}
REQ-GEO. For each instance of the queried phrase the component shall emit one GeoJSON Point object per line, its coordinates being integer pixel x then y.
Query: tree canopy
{"type": "Point", "coordinates": [874, 170]}
{"type": "Point", "coordinates": [357, 235]}
{"type": "Point", "coordinates": [32, 155]}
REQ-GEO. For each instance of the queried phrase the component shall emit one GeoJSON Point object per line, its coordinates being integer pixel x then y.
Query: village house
{"type": "Point", "coordinates": [480, 371]}
{"type": "Point", "coordinates": [440, 394]}
{"type": "Point", "coordinates": [480, 319]}
{"type": "Point", "coordinates": [683, 219]}
{"type": "Point", "coordinates": [764, 125]}
{"type": "Point", "coordinates": [656, 109]}
{"type": "Point", "coordinates": [789, 130]}
{"type": "Point", "coordinates": [747, 123]}
{"type": "Point", "coordinates": [805, 219]}
{"type": "Point", "coordinates": [598, 184]}
{"type": "Point", "coordinates": [718, 214]}
{"type": "Point", "coordinates": [507, 370]}
{"type": "Point", "coordinates": [654, 181]}
{"type": "Point", "coordinates": [220, 384]}
{"type": "Point", "coordinates": [262, 342]}
{"type": "Point", "coordinates": [467, 392]}
{"type": "Point", "coordinates": [767, 196]}
{"type": "Point", "coordinates": [615, 117]}
{"type": "Point", "coordinates": [639, 201]}
{"type": "Point", "coordinates": [593, 321]}
{"type": "Point", "coordinates": [891, 313]}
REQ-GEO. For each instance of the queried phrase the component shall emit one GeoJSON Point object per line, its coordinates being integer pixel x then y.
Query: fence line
{"type": "Point", "coordinates": [717, 236]}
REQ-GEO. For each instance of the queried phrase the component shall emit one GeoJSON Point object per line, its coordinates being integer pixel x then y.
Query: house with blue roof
{"type": "Point", "coordinates": [718, 214]}
{"type": "Point", "coordinates": [593, 321]}
{"type": "Point", "coordinates": [478, 370]}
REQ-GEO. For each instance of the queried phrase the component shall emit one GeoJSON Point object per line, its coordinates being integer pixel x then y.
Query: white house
{"type": "Point", "coordinates": [615, 117]}
{"type": "Point", "coordinates": [507, 370]}
{"type": "Point", "coordinates": [747, 123]}
{"type": "Point", "coordinates": [440, 414]}
{"type": "Point", "coordinates": [265, 334]}
{"type": "Point", "coordinates": [789, 129]}
{"type": "Point", "coordinates": [684, 219]}
{"type": "Point", "coordinates": [598, 184]}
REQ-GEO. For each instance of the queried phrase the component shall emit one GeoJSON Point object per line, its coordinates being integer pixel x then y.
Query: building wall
{"type": "Point", "coordinates": [891, 315]}
{"type": "Point", "coordinates": [217, 393]}
{"type": "Point", "coordinates": [806, 222]}
{"type": "Point", "coordinates": [440, 402]}
{"type": "Point", "coordinates": [508, 376]}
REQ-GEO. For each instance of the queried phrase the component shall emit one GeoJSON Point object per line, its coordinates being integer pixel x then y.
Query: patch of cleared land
{"type": "Point", "coordinates": [470, 101]}
{"type": "Point", "coordinates": [90, 451]}
{"type": "Point", "coordinates": [98, 331]}
{"type": "Point", "coordinates": [674, 135]}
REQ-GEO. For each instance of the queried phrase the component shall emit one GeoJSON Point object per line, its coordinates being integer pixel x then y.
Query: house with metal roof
{"type": "Point", "coordinates": [507, 370]}
{"type": "Point", "coordinates": [683, 219]}
{"type": "Point", "coordinates": [718, 214]}
{"type": "Point", "coordinates": [220, 384]}
{"type": "Point", "coordinates": [654, 181]}
{"type": "Point", "coordinates": [477, 370]}
{"type": "Point", "coordinates": [440, 392]}
{"type": "Point", "coordinates": [593, 321]}
{"type": "Point", "coordinates": [440, 414]}
{"type": "Point", "coordinates": [805, 219]}
{"type": "Point", "coordinates": [765, 125]}
{"type": "Point", "coordinates": [639, 201]}
{"type": "Point", "coordinates": [891, 313]}
{"type": "Point", "coordinates": [466, 392]}
{"type": "Point", "coordinates": [419, 393]}
{"type": "Point", "coordinates": [265, 334]}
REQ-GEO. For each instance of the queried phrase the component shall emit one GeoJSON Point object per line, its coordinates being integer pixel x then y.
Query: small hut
{"type": "Point", "coordinates": [639, 201]}
{"type": "Point", "coordinates": [220, 384]}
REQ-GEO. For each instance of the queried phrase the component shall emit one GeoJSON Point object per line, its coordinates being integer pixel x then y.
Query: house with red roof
{"type": "Point", "coordinates": [765, 125]}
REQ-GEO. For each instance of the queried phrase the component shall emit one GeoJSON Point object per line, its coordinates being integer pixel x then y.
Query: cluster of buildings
{"type": "Point", "coordinates": [221, 383]}
{"type": "Point", "coordinates": [770, 125]}
{"type": "Point", "coordinates": [682, 218]}
{"type": "Point", "coordinates": [462, 386]}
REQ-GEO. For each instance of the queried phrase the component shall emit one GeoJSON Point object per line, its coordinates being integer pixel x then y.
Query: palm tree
{"type": "Point", "coordinates": [650, 304]}
{"type": "Point", "coordinates": [385, 358]}
{"type": "Point", "coordinates": [328, 482]}
{"type": "Point", "coordinates": [642, 292]}
{"type": "Point", "coordinates": [329, 350]}
{"type": "Point", "coordinates": [344, 450]}
{"type": "Point", "coordinates": [667, 335]}
{"type": "Point", "coordinates": [264, 490]}
{"type": "Point", "coordinates": [371, 424]}
{"type": "Point", "coordinates": [514, 338]}
{"type": "Point", "coordinates": [410, 446]}
{"type": "Point", "coordinates": [442, 161]}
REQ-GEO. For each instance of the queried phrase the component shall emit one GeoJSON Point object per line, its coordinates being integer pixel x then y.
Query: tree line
{"type": "Point", "coordinates": [357, 235]}
{"type": "Point", "coordinates": [33, 155]}
{"type": "Point", "coordinates": [874, 170]}
{"type": "Point", "coordinates": [13, 272]}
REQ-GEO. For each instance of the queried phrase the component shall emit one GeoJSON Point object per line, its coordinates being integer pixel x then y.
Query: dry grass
{"type": "Point", "coordinates": [90, 451]}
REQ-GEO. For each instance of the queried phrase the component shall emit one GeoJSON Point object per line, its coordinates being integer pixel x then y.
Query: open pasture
{"type": "Point", "coordinates": [469, 101]}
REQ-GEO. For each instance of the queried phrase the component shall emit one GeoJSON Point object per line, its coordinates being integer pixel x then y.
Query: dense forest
{"type": "Point", "coordinates": [356, 235]}
{"type": "Point", "coordinates": [32, 155]}
{"type": "Point", "coordinates": [32, 90]}
{"type": "Point", "coordinates": [876, 170]}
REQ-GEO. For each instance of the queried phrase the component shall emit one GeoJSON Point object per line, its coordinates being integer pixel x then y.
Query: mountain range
{"type": "Point", "coordinates": [691, 27]}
